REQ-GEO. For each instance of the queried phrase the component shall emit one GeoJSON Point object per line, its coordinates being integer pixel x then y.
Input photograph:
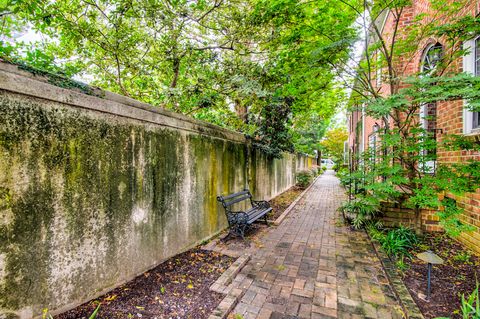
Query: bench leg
{"type": "Point", "coordinates": [266, 220]}
{"type": "Point", "coordinates": [242, 231]}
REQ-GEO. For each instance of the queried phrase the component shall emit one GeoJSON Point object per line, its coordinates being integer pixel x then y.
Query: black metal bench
{"type": "Point", "coordinates": [238, 220]}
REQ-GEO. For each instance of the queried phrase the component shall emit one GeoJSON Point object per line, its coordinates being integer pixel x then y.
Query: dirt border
{"type": "Point", "coordinates": [410, 308]}
{"type": "Point", "coordinates": [280, 218]}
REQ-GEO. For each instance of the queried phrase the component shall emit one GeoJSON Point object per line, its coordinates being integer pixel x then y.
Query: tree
{"type": "Point", "coordinates": [333, 143]}
{"type": "Point", "coordinates": [229, 62]}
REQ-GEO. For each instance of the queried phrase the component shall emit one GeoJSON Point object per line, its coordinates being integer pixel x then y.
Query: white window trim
{"type": "Point", "coordinates": [469, 67]}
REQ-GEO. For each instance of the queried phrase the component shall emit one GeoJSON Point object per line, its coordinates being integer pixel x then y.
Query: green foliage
{"type": "Point", "coordinates": [395, 242]}
{"type": "Point", "coordinates": [463, 257]}
{"type": "Point", "coordinates": [304, 178]}
{"type": "Point", "coordinates": [470, 307]}
{"type": "Point", "coordinates": [398, 164]}
{"type": "Point", "coordinates": [449, 218]}
{"type": "Point", "coordinates": [333, 143]}
{"type": "Point", "coordinates": [272, 127]}
{"type": "Point", "coordinates": [401, 264]}
{"type": "Point", "coordinates": [46, 315]}
{"type": "Point", "coordinates": [264, 68]}
{"type": "Point", "coordinates": [361, 210]}
{"type": "Point", "coordinates": [316, 170]}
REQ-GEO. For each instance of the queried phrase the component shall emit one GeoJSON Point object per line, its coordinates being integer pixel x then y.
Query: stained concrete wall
{"type": "Point", "coordinates": [97, 188]}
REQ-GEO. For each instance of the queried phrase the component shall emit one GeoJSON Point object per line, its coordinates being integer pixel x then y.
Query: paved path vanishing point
{"type": "Point", "coordinates": [311, 266]}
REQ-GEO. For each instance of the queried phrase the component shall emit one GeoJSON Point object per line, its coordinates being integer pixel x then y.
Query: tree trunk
{"type": "Point", "coordinates": [241, 110]}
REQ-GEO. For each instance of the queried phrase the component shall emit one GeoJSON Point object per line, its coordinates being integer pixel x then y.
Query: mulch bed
{"type": "Point", "coordinates": [456, 276]}
{"type": "Point", "coordinates": [177, 288]}
{"type": "Point", "coordinates": [282, 201]}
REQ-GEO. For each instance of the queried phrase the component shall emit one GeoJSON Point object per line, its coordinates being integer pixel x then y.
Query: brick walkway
{"type": "Point", "coordinates": [313, 267]}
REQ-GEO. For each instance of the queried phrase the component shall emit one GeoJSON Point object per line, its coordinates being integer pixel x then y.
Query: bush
{"type": "Point", "coordinates": [360, 210]}
{"type": "Point", "coordinates": [304, 178]}
{"type": "Point", "coordinates": [339, 167]}
{"type": "Point", "coordinates": [343, 174]}
{"type": "Point", "coordinates": [316, 170]}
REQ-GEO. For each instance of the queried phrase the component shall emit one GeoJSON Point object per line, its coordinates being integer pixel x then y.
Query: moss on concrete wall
{"type": "Point", "coordinates": [89, 200]}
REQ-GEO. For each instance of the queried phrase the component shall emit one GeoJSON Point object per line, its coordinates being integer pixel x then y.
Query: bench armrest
{"type": "Point", "coordinates": [238, 217]}
{"type": "Point", "coordinates": [260, 203]}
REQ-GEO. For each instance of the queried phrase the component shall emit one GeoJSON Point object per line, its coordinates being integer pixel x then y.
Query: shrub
{"type": "Point", "coordinates": [304, 178]}
{"type": "Point", "coordinates": [344, 175]}
{"type": "Point", "coordinates": [360, 210]}
{"type": "Point", "coordinates": [339, 167]}
{"type": "Point", "coordinates": [316, 170]}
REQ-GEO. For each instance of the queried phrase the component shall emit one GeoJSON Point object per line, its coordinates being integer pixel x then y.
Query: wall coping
{"type": "Point", "coordinates": [15, 80]}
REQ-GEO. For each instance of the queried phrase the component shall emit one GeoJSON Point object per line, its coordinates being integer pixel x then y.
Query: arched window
{"type": "Point", "coordinates": [432, 57]}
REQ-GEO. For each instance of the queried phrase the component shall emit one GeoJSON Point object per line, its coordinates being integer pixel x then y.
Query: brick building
{"type": "Point", "coordinates": [439, 118]}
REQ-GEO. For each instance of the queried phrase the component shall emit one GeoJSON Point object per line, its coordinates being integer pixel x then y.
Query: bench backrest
{"type": "Point", "coordinates": [234, 198]}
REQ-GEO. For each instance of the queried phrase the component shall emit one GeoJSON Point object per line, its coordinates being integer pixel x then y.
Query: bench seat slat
{"type": "Point", "coordinates": [256, 215]}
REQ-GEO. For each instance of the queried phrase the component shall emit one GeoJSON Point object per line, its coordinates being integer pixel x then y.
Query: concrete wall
{"type": "Point", "coordinates": [97, 188]}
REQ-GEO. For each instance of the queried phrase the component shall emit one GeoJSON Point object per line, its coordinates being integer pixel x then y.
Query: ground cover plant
{"type": "Point", "coordinates": [452, 282]}
{"type": "Point", "coordinates": [396, 242]}
{"type": "Point", "coordinates": [177, 288]}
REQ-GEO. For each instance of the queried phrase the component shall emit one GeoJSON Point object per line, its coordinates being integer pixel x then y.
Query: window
{"type": "Point", "coordinates": [476, 115]}
{"type": "Point", "coordinates": [432, 57]}
{"type": "Point", "coordinates": [471, 64]}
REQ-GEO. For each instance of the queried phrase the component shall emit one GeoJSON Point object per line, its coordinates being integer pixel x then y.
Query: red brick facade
{"type": "Point", "coordinates": [450, 116]}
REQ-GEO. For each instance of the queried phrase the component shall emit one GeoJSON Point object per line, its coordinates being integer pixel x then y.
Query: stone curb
{"type": "Point", "coordinates": [406, 301]}
{"type": "Point", "coordinates": [280, 218]}
{"type": "Point", "coordinates": [221, 285]}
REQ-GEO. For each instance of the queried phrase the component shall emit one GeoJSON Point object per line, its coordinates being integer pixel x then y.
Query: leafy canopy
{"type": "Point", "coordinates": [242, 64]}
